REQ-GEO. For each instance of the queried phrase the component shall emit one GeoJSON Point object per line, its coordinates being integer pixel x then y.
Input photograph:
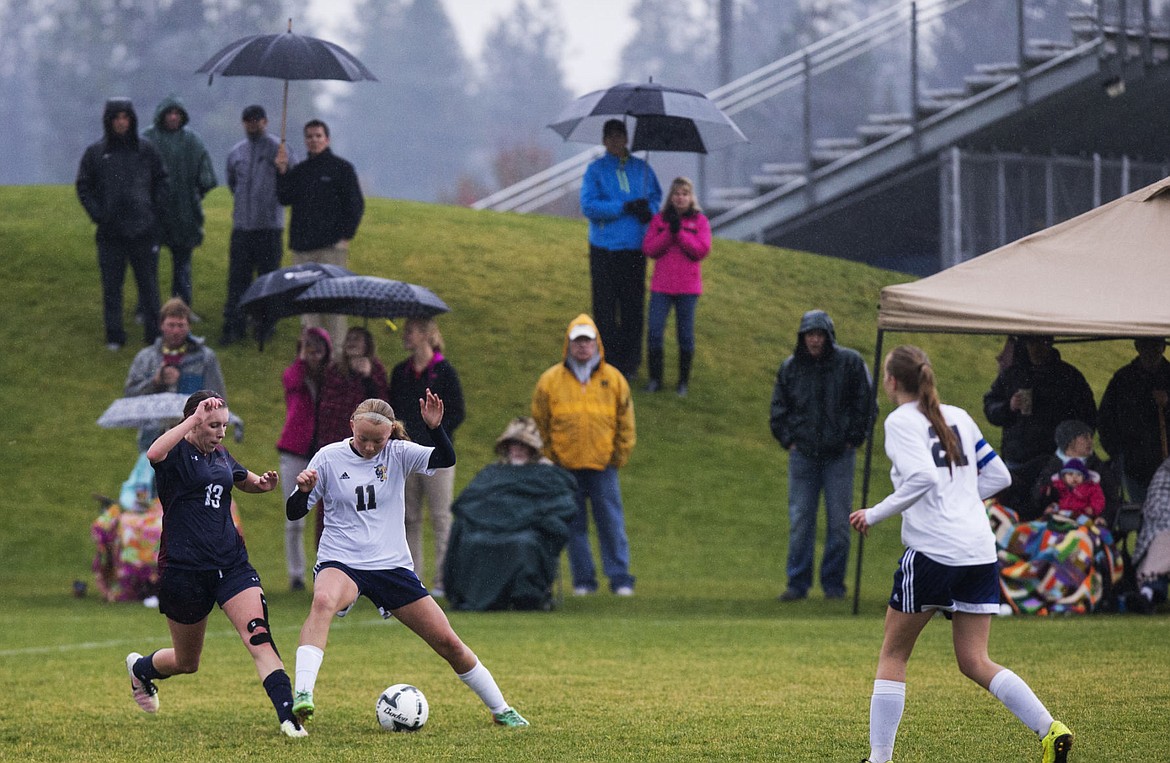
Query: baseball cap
{"type": "Point", "coordinates": [582, 330]}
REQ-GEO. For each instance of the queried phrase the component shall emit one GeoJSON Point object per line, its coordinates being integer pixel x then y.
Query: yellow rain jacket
{"type": "Point", "coordinates": [585, 426]}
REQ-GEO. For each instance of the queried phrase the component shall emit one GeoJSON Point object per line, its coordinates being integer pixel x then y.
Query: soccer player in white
{"type": "Point", "coordinates": [942, 471]}
{"type": "Point", "coordinates": [363, 552]}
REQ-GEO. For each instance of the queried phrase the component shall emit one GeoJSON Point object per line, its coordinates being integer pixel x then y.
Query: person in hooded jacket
{"type": "Point", "coordinates": [585, 416]}
{"type": "Point", "coordinates": [122, 184]}
{"type": "Point", "coordinates": [822, 409]}
{"type": "Point", "coordinates": [191, 176]}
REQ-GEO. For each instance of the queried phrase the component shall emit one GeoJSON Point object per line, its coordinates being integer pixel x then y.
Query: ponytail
{"type": "Point", "coordinates": [378, 411]}
{"type": "Point", "coordinates": [910, 367]}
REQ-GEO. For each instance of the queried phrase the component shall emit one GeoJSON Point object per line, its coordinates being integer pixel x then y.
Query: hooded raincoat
{"type": "Point", "coordinates": [190, 172]}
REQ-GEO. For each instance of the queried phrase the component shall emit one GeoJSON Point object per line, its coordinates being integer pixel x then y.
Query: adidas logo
{"type": "Point", "coordinates": [344, 476]}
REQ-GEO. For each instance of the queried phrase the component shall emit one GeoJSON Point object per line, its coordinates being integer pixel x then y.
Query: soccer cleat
{"type": "Point", "coordinates": [509, 718]}
{"type": "Point", "coordinates": [1057, 743]}
{"type": "Point", "coordinates": [293, 729]}
{"type": "Point", "coordinates": [145, 692]}
{"type": "Point", "coordinates": [303, 706]}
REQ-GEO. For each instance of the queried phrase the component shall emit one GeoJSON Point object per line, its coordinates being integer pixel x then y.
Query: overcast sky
{"type": "Point", "coordinates": [596, 32]}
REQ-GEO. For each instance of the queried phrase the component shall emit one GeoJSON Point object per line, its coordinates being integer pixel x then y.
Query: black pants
{"type": "Point", "coordinates": [252, 253]}
{"type": "Point", "coordinates": [141, 255]}
{"type": "Point", "coordinates": [619, 304]}
{"type": "Point", "coordinates": [181, 272]}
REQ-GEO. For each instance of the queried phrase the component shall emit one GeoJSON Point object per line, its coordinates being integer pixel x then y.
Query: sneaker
{"type": "Point", "coordinates": [582, 590]}
{"type": "Point", "coordinates": [867, 760]}
{"type": "Point", "coordinates": [681, 389]}
{"type": "Point", "coordinates": [791, 594]}
{"type": "Point", "coordinates": [303, 706]}
{"type": "Point", "coordinates": [195, 318]}
{"type": "Point", "coordinates": [145, 692]}
{"type": "Point", "coordinates": [624, 590]}
{"type": "Point", "coordinates": [653, 385]}
{"type": "Point", "coordinates": [297, 584]}
{"type": "Point", "coordinates": [438, 593]}
{"type": "Point", "coordinates": [113, 346]}
{"type": "Point", "coordinates": [293, 729]}
{"type": "Point", "coordinates": [1057, 743]}
{"type": "Point", "coordinates": [509, 718]}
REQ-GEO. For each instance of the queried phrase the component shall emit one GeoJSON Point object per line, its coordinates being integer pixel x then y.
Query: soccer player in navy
{"type": "Point", "coordinates": [359, 483]}
{"type": "Point", "coordinates": [202, 558]}
{"type": "Point", "coordinates": [942, 471]}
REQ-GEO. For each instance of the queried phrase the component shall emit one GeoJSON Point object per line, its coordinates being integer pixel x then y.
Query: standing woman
{"type": "Point", "coordinates": [298, 440]}
{"type": "Point", "coordinates": [942, 471]}
{"type": "Point", "coordinates": [202, 559]}
{"type": "Point", "coordinates": [426, 368]}
{"type": "Point", "coordinates": [363, 551]}
{"type": "Point", "coordinates": [678, 239]}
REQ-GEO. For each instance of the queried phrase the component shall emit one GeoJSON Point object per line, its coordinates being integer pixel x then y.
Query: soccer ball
{"type": "Point", "coordinates": [402, 707]}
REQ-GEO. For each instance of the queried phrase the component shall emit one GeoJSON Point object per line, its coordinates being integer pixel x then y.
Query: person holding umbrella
{"type": "Point", "coordinates": [619, 195]}
{"type": "Point", "coordinates": [327, 207]}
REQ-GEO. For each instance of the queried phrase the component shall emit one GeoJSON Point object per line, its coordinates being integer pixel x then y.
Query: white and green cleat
{"type": "Point", "coordinates": [510, 718]}
{"type": "Point", "coordinates": [303, 706]}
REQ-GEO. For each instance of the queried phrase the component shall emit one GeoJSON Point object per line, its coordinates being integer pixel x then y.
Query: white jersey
{"type": "Point", "coordinates": [365, 512]}
{"type": "Point", "coordinates": [942, 513]}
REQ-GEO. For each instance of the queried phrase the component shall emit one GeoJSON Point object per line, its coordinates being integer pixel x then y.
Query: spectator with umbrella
{"type": "Point", "coordinates": [619, 195]}
{"type": "Point", "coordinates": [257, 220]}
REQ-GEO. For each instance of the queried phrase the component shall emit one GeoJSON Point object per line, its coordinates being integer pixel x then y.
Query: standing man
{"type": "Point", "coordinates": [583, 410]}
{"type": "Point", "coordinates": [619, 195]}
{"type": "Point", "coordinates": [257, 219]}
{"type": "Point", "coordinates": [822, 409]}
{"type": "Point", "coordinates": [191, 176]}
{"type": "Point", "coordinates": [327, 206]}
{"type": "Point", "coordinates": [122, 184]}
{"type": "Point", "coordinates": [1133, 418]}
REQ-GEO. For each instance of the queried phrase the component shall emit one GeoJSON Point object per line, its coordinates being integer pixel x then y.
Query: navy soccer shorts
{"type": "Point", "coordinates": [922, 584]}
{"type": "Point", "coordinates": [188, 596]}
{"type": "Point", "coordinates": [387, 589]}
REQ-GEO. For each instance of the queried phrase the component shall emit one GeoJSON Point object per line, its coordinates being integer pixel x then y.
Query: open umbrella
{"type": "Point", "coordinates": [369, 297]}
{"type": "Point", "coordinates": [661, 118]}
{"type": "Point", "coordinates": [285, 56]}
{"type": "Point", "coordinates": [271, 295]}
{"type": "Point", "coordinates": [147, 410]}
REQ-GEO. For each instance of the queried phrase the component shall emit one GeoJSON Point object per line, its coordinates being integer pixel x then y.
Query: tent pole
{"type": "Point", "coordinates": [877, 374]}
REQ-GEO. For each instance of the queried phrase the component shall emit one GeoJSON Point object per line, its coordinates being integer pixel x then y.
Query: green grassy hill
{"type": "Point", "coordinates": [705, 488]}
{"type": "Point", "coordinates": [702, 664]}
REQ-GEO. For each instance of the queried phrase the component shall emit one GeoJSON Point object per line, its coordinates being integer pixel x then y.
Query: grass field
{"type": "Point", "coordinates": [703, 664]}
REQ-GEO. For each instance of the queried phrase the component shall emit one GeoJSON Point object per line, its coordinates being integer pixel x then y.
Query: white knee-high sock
{"type": "Point", "coordinates": [480, 681]}
{"type": "Point", "coordinates": [309, 659]}
{"type": "Point", "coordinates": [885, 713]}
{"type": "Point", "coordinates": [1019, 698]}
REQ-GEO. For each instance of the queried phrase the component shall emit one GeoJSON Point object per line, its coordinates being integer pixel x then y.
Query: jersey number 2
{"type": "Point", "coordinates": [365, 498]}
{"type": "Point", "coordinates": [937, 450]}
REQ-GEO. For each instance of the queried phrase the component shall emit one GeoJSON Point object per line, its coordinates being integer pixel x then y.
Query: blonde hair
{"type": "Point", "coordinates": [378, 411]}
{"type": "Point", "coordinates": [430, 329]}
{"type": "Point", "coordinates": [909, 366]}
{"type": "Point", "coordinates": [685, 182]}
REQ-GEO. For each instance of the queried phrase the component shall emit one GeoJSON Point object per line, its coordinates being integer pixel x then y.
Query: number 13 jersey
{"type": "Point", "coordinates": [365, 525]}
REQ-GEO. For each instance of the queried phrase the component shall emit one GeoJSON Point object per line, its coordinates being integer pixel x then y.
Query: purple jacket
{"type": "Point", "coordinates": [677, 258]}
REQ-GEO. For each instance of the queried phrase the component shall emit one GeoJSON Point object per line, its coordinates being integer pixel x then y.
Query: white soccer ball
{"type": "Point", "coordinates": [402, 707]}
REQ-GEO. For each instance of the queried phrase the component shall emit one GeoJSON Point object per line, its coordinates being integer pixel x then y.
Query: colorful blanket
{"type": "Point", "coordinates": [1054, 565]}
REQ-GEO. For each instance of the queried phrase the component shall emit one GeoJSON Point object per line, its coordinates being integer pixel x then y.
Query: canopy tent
{"type": "Point", "coordinates": [1101, 274]}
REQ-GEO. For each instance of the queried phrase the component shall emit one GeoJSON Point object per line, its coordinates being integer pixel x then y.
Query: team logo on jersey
{"type": "Point", "coordinates": [344, 476]}
{"type": "Point", "coordinates": [380, 472]}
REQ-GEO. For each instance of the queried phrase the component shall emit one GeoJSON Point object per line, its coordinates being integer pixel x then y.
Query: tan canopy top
{"type": "Point", "coordinates": [1105, 273]}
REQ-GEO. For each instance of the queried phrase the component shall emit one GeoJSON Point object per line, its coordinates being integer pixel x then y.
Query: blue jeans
{"type": "Point", "coordinates": [684, 319]}
{"type": "Point", "coordinates": [605, 496]}
{"type": "Point", "coordinates": [807, 479]}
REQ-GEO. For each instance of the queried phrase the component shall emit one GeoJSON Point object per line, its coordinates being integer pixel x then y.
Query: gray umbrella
{"type": "Point", "coordinates": [369, 297]}
{"type": "Point", "coordinates": [161, 408]}
{"type": "Point", "coordinates": [285, 56]}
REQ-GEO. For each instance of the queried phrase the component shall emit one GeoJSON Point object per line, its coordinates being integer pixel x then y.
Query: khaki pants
{"type": "Point", "coordinates": [437, 489]}
{"type": "Point", "coordinates": [334, 324]}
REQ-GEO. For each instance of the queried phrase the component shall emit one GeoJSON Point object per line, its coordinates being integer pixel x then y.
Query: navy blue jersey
{"type": "Point", "coordinates": [196, 495]}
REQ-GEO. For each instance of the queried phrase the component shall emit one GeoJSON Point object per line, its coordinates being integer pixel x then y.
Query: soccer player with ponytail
{"type": "Point", "coordinates": [942, 471]}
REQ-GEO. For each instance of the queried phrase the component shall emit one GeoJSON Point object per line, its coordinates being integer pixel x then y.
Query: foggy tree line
{"type": "Point", "coordinates": [439, 126]}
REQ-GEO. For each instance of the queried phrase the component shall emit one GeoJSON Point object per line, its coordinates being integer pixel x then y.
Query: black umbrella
{"type": "Point", "coordinates": [285, 56]}
{"type": "Point", "coordinates": [661, 118]}
{"type": "Point", "coordinates": [369, 297]}
{"type": "Point", "coordinates": [271, 295]}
